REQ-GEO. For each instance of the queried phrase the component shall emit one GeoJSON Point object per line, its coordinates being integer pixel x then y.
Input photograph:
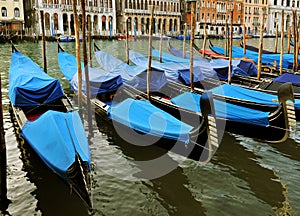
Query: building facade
{"type": "Point", "coordinates": [12, 16]}
{"type": "Point", "coordinates": [59, 19]}
{"type": "Point", "coordinates": [256, 12]}
{"type": "Point", "coordinates": [215, 14]}
{"type": "Point", "coordinates": [275, 10]}
{"type": "Point", "coordinates": [167, 16]}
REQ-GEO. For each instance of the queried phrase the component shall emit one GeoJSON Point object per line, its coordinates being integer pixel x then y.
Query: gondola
{"type": "Point", "coordinates": [142, 123]}
{"type": "Point", "coordinates": [268, 84]}
{"type": "Point", "coordinates": [255, 49]}
{"type": "Point", "coordinates": [244, 86]}
{"type": "Point", "coordinates": [66, 38]}
{"type": "Point", "coordinates": [219, 67]}
{"type": "Point", "coordinates": [267, 59]}
{"type": "Point", "coordinates": [233, 118]}
{"type": "Point", "coordinates": [49, 124]}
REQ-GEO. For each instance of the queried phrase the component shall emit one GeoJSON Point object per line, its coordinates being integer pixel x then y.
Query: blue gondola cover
{"type": "Point", "coordinates": [142, 116]}
{"type": "Point", "coordinates": [100, 80]}
{"type": "Point", "coordinates": [174, 71]}
{"type": "Point", "coordinates": [29, 85]}
{"type": "Point", "coordinates": [52, 129]}
{"type": "Point", "coordinates": [133, 75]}
{"type": "Point", "coordinates": [223, 110]}
{"type": "Point", "coordinates": [288, 77]}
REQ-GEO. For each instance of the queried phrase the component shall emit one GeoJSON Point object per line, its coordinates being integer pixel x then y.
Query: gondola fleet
{"type": "Point", "coordinates": [155, 105]}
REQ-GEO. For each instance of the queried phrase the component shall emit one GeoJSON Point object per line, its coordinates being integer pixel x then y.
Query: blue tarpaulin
{"type": "Point", "coordinates": [267, 59]}
{"type": "Point", "coordinates": [142, 116]}
{"type": "Point", "coordinates": [55, 136]}
{"type": "Point", "coordinates": [288, 77]}
{"type": "Point", "coordinates": [249, 95]}
{"type": "Point", "coordinates": [133, 75]}
{"type": "Point", "coordinates": [216, 68]}
{"type": "Point", "coordinates": [174, 71]}
{"type": "Point", "coordinates": [223, 110]}
{"type": "Point", "coordinates": [100, 81]}
{"type": "Point", "coordinates": [246, 94]}
{"type": "Point", "coordinates": [29, 85]}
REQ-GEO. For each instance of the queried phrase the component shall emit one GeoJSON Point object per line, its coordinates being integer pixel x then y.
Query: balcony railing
{"type": "Point", "coordinates": [139, 11]}
{"type": "Point", "coordinates": [70, 8]}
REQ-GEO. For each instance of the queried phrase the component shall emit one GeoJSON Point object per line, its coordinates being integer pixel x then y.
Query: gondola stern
{"type": "Point", "coordinates": [79, 180]}
{"type": "Point", "coordinates": [286, 99]}
{"type": "Point", "coordinates": [209, 123]}
{"type": "Point", "coordinates": [59, 48]}
{"type": "Point", "coordinates": [96, 48]}
{"type": "Point", "coordinates": [286, 92]}
{"type": "Point", "coordinates": [13, 48]}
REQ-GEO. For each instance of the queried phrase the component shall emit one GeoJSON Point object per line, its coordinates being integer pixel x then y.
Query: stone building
{"type": "Point", "coordinates": [275, 9]}
{"type": "Point", "coordinates": [214, 14]}
{"type": "Point", "coordinates": [12, 16]}
{"type": "Point", "coordinates": [167, 16]}
{"type": "Point", "coordinates": [58, 15]}
{"type": "Point", "coordinates": [255, 12]}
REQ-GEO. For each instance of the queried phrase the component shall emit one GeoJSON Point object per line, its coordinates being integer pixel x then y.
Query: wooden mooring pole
{"type": "Point", "coordinates": [161, 42]}
{"type": "Point", "coordinates": [43, 41]}
{"type": "Point", "coordinates": [193, 3]}
{"type": "Point", "coordinates": [90, 40]}
{"type": "Point", "coordinates": [3, 162]}
{"type": "Point", "coordinates": [281, 42]}
{"type": "Point", "coordinates": [184, 40]}
{"type": "Point", "coordinates": [86, 68]}
{"type": "Point", "coordinates": [261, 44]}
{"type": "Point", "coordinates": [204, 40]}
{"type": "Point", "coordinates": [79, 71]}
{"type": "Point", "coordinates": [230, 48]}
{"type": "Point", "coordinates": [126, 41]}
{"type": "Point", "coordinates": [244, 39]}
{"type": "Point", "coordinates": [276, 39]}
{"type": "Point", "coordinates": [150, 53]}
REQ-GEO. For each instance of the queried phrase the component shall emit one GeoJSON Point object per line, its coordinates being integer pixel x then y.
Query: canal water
{"type": "Point", "coordinates": [244, 177]}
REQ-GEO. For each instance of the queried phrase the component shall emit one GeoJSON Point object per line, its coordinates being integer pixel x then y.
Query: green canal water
{"type": "Point", "coordinates": [245, 177]}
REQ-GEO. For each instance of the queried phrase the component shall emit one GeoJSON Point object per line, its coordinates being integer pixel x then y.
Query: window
{"type": "Point", "coordinates": [17, 12]}
{"type": "Point", "coordinates": [4, 12]}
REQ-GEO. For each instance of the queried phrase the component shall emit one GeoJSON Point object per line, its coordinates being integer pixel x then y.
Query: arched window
{"type": "Point", "coordinates": [4, 12]}
{"type": "Point", "coordinates": [17, 12]}
{"type": "Point", "coordinates": [103, 19]}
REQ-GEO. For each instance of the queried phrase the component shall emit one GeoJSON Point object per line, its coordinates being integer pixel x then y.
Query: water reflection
{"type": "Point", "coordinates": [243, 164]}
{"type": "Point", "coordinates": [169, 190]}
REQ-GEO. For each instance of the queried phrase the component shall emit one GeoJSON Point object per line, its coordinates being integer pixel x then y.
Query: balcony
{"type": "Point", "coordinates": [70, 8]}
{"type": "Point", "coordinates": [163, 13]}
